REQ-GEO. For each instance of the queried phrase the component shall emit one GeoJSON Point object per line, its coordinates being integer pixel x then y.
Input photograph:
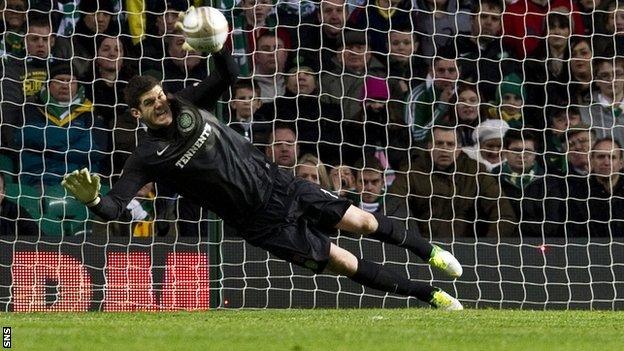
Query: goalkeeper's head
{"type": "Point", "coordinates": [148, 102]}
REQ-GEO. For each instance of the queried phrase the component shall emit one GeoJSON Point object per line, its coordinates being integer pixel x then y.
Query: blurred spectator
{"type": "Point", "coordinates": [379, 126]}
{"type": "Point", "coordinates": [182, 68]}
{"type": "Point", "coordinates": [61, 133]}
{"type": "Point", "coordinates": [590, 13]}
{"type": "Point", "coordinates": [481, 56]}
{"type": "Point", "coordinates": [342, 179]}
{"type": "Point", "coordinates": [343, 85]}
{"type": "Point", "coordinates": [510, 98]}
{"type": "Point", "coordinates": [148, 23]}
{"type": "Point", "coordinates": [467, 113]}
{"type": "Point", "coordinates": [431, 99]}
{"type": "Point", "coordinates": [97, 18]}
{"type": "Point", "coordinates": [524, 23]}
{"type": "Point", "coordinates": [369, 185]}
{"type": "Point", "coordinates": [547, 70]}
{"type": "Point", "coordinates": [560, 119]}
{"type": "Point", "coordinates": [406, 68]}
{"type": "Point", "coordinates": [65, 14]}
{"type": "Point", "coordinates": [23, 79]}
{"type": "Point", "coordinates": [269, 66]}
{"type": "Point", "coordinates": [111, 77]}
{"type": "Point", "coordinates": [439, 21]}
{"type": "Point", "coordinates": [249, 21]}
{"type": "Point", "coordinates": [488, 143]}
{"type": "Point", "coordinates": [580, 70]}
{"type": "Point", "coordinates": [377, 17]}
{"type": "Point", "coordinates": [311, 169]}
{"type": "Point", "coordinates": [282, 146]}
{"type": "Point", "coordinates": [14, 219]}
{"type": "Point", "coordinates": [605, 113]}
{"type": "Point", "coordinates": [579, 139]}
{"type": "Point", "coordinates": [538, 200]}
{"type": "Point", "coordinates": [243, 106]}
{"type": "Point", "coordinates": [609, 37]}
{"type": "Point", "coordinates": [448, 192]}
{"type": "Point", "coordinates": [293, 12]}
{"type": "Point", "coordinates": [13, 27]}
{"type": "Point", "coordinates": [598, 205]}
{"type": "Point", "coordinates": [318, 123]}
{"type": "Point", "coordinates": [320, 40]}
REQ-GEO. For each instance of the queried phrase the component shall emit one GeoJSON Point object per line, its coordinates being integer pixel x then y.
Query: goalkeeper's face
{"type": "Point", "coordinates": [154, 109]}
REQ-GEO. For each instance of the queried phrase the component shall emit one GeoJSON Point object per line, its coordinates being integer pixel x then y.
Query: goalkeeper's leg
{"type": "Point", "coordinates": [382, 228]}
{"type": "Point", "coordinates": [379, 277]}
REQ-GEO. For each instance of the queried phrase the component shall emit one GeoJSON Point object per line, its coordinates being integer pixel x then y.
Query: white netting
{"type": "Point", "coordinates": [473, 120]}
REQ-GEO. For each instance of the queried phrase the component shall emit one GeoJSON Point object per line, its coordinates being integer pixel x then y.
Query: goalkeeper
{"type": "Point", "coordinates": [190, 151]}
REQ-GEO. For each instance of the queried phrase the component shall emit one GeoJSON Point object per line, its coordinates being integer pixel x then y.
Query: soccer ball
{"type": "Point", "coordinates": [205, 27]}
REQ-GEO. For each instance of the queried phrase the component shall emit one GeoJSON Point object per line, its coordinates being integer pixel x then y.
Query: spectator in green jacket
{"type": "Point", "coordinates": [430, 100]}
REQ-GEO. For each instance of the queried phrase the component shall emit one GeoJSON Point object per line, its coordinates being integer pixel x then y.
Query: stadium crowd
{"type": "Point", "coordinates": [470, 117]}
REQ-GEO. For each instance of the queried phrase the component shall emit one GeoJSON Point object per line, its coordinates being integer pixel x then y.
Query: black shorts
{"type": "Point", "coordinates": [296, 222]}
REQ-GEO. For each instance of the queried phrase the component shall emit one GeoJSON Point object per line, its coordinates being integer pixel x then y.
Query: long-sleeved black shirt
{"type": "Point", "coordinates": [198, 157]}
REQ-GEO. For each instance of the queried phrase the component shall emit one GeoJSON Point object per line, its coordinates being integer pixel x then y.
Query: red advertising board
{"type": "Point", "coordinates": [81, 274]}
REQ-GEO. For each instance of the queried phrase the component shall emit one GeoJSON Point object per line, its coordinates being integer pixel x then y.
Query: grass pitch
{"type": "Point", "coordinates": [299, 330]}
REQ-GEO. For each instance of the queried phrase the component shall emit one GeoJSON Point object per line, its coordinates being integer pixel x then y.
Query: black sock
{"type": "Point", "coordinates": [379, 277]}
{"type": "Point", "coordinates": [392, 232]}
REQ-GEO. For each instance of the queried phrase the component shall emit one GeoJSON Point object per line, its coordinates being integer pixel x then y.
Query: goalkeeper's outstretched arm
{"type": "Point", "coordinates": [86, 188]}
{"type": "Point", "coordinates": [206, 30]}
{"type": "Point", "coordinates": [205, 94]}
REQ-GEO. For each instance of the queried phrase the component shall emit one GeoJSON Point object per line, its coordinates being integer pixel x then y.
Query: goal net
{"type": "Point", "coordinates": [492, 128]}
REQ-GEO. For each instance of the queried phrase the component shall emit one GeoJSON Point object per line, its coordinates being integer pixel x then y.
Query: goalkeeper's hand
{"type": "Point", "coordinates": [84, 186]}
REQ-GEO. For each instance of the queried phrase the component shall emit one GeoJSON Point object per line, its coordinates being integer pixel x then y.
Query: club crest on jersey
{"type": "Point", "coordinates": [186, 123]}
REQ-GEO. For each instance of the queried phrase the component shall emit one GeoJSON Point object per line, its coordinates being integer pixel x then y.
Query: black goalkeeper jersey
{"type": "Point", "coordinates": [198, 157]}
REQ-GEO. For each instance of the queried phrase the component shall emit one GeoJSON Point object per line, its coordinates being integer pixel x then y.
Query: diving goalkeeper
{"type": "Point", "coordinates": [189, 150]}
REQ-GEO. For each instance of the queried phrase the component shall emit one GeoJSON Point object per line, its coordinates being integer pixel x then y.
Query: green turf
{"type": "Point", "coordinates": [366, 329]}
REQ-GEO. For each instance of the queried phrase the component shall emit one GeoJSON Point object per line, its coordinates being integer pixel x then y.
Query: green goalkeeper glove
{"type": "Point", "coordinates": [84, 186]}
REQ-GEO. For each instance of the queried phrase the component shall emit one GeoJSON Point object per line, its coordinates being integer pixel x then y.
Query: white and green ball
{"type": "Point", "coordinates": [206, 28]}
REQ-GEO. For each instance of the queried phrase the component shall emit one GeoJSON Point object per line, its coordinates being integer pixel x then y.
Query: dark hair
{"type": "Point", "coordinates": [38, 19]}
{"type": "Point", "coordinates": [448, 52]}
{"type": "Point", "coordinates": [273, 35]}
{"type": "Point", "coordinates": [556, 111]}
{"type": "Point", "coordinates": [517, 135]}
{"type": "Point", "coordinates": [499, 4]}
{"type": "Point", "coordinates": [577, 39]}
{"type": "Point", "coordinates": [138, 86]}
{"type": "Point", "coordinates": [464, 86]}
{"type": "Point", "coordinates": [99, 39]}
{"type": "Point", "coordinates": [572, 131]}
{"type": "Point", "coordinates": [408, 29]}
{"type": "Point", "coordinates": [558, 19]}
{"type": "Point", "coordinates": [611, 140]}
{"type": "Point", "coordinates": [246, 84]}
{"type": "Point", "coordinates": [369, 163]}
{"type": "Point", "coordinates": [281, 125]}
{"type": "Point", "coordinates": [444, 126]}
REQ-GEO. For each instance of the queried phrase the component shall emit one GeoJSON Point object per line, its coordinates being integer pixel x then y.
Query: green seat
{"type": "Point", "coordinates": [62, 214]}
